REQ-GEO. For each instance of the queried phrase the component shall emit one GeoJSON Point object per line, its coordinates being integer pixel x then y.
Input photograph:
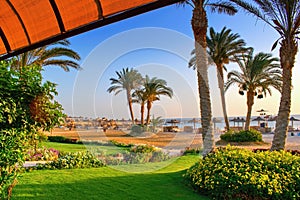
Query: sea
{"type": "Point", "coordinates": [219, 124]}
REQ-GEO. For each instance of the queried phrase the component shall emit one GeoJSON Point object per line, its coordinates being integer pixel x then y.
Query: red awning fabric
{"type": "Point", "coordinates": [28, 24]}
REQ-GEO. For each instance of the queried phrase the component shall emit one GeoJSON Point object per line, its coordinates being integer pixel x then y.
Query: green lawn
{"type": "Point", "coordinates": [81, 147]}
{"type": "Point", "coordinates": [108, 183]}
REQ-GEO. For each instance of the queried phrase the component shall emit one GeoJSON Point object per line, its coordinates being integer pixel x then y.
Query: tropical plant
{"type": "Point", "coordinates": [140, 96]}
{"type": "Point", "coordinates": [155, 122]}
{"type": "Point", "coordinates": [199, 24]}
{"type": "Point", "coordinates": [128, 80]}
{"type": "Point", "coordinates": [18, 121]}
{"type": "Point", "coordinates": [153, 89]}
{"type": "Point", "coordinates": [48, 55]}
{"type": "Point", "coordinates": [284, 17]}
{"type": "Point", "coordinates": [222, 47]}
{"type": "Point", "coordinates": [258, 74]}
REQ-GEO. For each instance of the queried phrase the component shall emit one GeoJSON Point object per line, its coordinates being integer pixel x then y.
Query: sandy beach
{"type": "Point", "coordinates": [180, 140]}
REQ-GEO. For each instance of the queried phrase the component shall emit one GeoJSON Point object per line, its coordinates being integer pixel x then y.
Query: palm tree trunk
{"type": "Point", "coordinates": [142, 112]}
{"type": "Point", "coordinates": [250, 102]}
{"type": "Point", "coordinates": [288, 53]}
{"type": "Point", "coordinates": [129, 99]}
{"type": "Point", "coordinates": [222, 93]}
{"type": "Point", "coordinates": [149, 105]}
{"type": "Point", "coordinates": [199, 25]}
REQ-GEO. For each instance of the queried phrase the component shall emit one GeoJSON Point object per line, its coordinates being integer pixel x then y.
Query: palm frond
{"type": "Point", "coordinates": [223, 7]}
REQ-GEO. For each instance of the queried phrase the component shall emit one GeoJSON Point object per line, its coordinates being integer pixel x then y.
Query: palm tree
{"type": "Point", "coordinates": [128, 80]}
{"type": "Point", "coordinates": [156, 122]}
{"type": "Point", "coordinates": [257, 75]}
{"type": "Point", "coordinates": [222, 47]}
{"type": "Point", "coordinates": [284, 17]}
{"type": "Point", "coordinates": [153, 89]}
{"type": "Point", "coordinates": [140, 96]}
{"type": "Point", "coordinates": [199, 24]}
{"type": "Point", "coordinates": [48, 55]}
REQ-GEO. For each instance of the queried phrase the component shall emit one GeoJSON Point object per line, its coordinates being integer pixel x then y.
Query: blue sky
{"type": "Point", "coordinates": [129, 44]}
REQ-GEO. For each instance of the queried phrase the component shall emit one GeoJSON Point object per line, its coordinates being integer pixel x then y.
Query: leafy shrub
{"type": "Point", "coordinates": [143, 154]}
{"type": "Point", "coordinates": [26, 105]}
{"type": "Point", "coordinates": [232, 173]}
{"type": "Point", "coordinates": [191, 151]}
{"type": "Point", "coordinates": [73, 160]}
{"type": "Point", "coordinates": [136, 155]}
{"type": "Point", "coordinates": [60, 139]}
{"type": "Point", "coordinates": [43, 154]}
{"type": "Point", "coordinates": [137, 130]}
{"type": "Point", "coordinates": [242, 136]}
{"type": "Point", "coordinates": [11, 155]}
{"type": "Point", "coordinates": [119, 144]}
{"type": "Point", "coordinates": [143, 149]}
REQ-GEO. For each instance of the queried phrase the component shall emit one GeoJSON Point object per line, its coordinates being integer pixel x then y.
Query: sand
{"type": "Point", "coordinates": [179, 140]}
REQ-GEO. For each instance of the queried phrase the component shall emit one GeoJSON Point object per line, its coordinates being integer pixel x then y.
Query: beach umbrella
{"type": "Point", "coordinates": [272, 119]}
{"type": "Point", "coordinates": [233, 120]}
{"type": "Point", "coordinates": [262, 111]}
{"type": "Point", "coordinates": [173, 122]}
{"type": "Point", "coordinates": [238, 120]}
{"type": "Point", "coordinates": [241, 120]}
{"type": "Point", "coordinates": [292, 119]}
{"type": "Point", "coordinates": [215, 121]}
{"type": "Point", "coordinates": [194, 121]}
{"type": "Point", "coordinates": [258, 119]}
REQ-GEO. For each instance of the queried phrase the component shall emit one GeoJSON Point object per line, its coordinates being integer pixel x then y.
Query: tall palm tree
{"type": "Point", "coordinates": [153, 89]}
{"type": "Point", "coordinates": [284, 17]}
{"type": "Point", "coordinates": [48, 55]}
{"type": "Point", "coordinates": [199, 24]}
{"type": "Point", "coordinates": [222, 47]}
{"type": "Point", "coordinates": [258, 74]}
{"type": "Point", "coordinates": [128, 80]}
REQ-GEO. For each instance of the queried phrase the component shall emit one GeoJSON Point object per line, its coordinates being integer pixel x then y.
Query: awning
{"type": "Point", "coordinates": [28, 24]}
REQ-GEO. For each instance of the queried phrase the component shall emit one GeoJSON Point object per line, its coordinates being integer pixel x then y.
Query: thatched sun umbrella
{"type": "Point", "coordinates": [258, 119]}
{"type": "Point", "coordinates": [173, 122]}
{"type": "Point", "coordinates": [292, 119]}
{"type": "Point", "coordinates": [194, 121]}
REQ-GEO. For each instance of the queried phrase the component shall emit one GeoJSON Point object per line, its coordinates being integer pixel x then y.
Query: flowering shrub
{"type": "Point", "coordinates": [135, 155]}
{"type": "Point", "coordinates": [233, 173]}
{"type": "Point", "coordinates": [42, 154]}
{"type": "Point", "coordinates": [73, 160]}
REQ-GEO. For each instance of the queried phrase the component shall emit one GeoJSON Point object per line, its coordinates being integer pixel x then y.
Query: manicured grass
{"type": "Point", "coordinates": [81, 147]}
{"type": "Point", "coordinates": [108, 183]}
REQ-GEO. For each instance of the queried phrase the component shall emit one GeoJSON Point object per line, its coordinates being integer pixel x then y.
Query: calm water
{"type": "Point", "coordinates": [220, 124]}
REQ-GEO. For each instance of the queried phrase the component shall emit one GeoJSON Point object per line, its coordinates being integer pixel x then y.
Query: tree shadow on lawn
{"type": "Point", "coordinates": [111, 185]}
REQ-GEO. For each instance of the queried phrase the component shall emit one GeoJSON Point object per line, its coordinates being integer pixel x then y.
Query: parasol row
{"type": "Point", "coordinates": [28, 24]}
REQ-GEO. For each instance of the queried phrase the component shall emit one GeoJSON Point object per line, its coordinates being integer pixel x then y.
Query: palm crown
{"type": "Point", "coordinates": [153, 89]}
{"type": "Point", "coordinates": [257, 74]}
{"type": "Point", "coordinates": [49, 55]}
{"type": "Point", "coordinates": [128, 80]}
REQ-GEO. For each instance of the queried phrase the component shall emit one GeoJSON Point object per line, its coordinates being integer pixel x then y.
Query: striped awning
{"type": "Point", "coordinates": [28, 24]}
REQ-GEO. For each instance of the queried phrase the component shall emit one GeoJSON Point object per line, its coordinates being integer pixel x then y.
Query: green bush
{"type": "Point", "coordinates": [137, 130]}
{"type": "Point", "coordinates": [73, 160]}
{"type": "Point", "coordinates": [233, 173]}
{"type": "Point", "coordinates": [242, 136]}
{"type": "Point", "coordinates": [143, 149]}
{"type": "Point", "coordinates": [26, 105]}
{"type": "Point", "coordinates": [12, 143]}
{"type": "Point", "coordinates": [119, 144]}
{"type": "Point", "coordinates": [143, 154]}
{"type": "Point", "coordinates": [60, 139]}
